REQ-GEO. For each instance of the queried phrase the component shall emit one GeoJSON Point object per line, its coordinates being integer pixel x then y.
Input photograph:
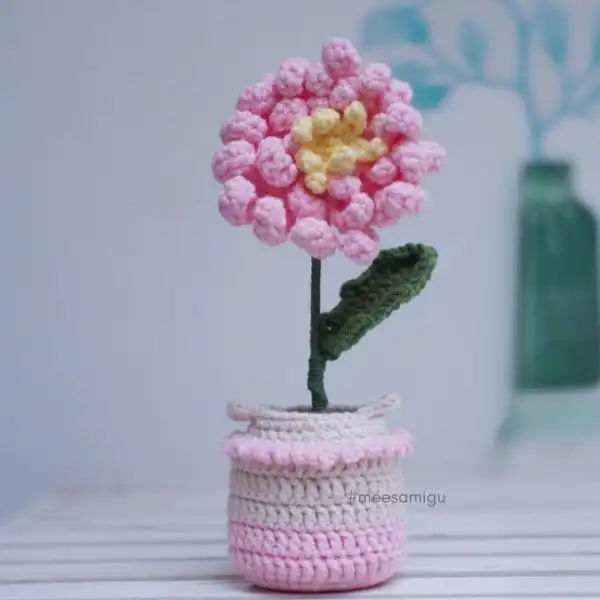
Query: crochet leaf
{"type": "Point", "coordinates": [394, 278]}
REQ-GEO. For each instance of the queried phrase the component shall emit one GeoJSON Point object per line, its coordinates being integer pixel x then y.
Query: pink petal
{"type": "Point", "coordinates": [359, 246]}
{"type": "Point", "coordinates": [318, 81]}
{"type": "Point", "coordinates": [356, 215]}
{"type": "Point", "coordinates": [259, 98]}
{"type": "Point", "coordinates": [411, 160]}
{"type": "Point", "coordinates": [383, 172]}
{"type": "Point", "coordinates": [435, 156]}
{"type": "Point", "coordinates": [397, 91]}
{"type": "Point", "coordinates": [341, 188]}
{"type": "Point", "coordinates": [344, 93]}
{"type": "Point", "coordinates": [375, 79]}
{"type": "Point", "coordinates": [236, 200]}
{"type": "Point", "coordinates": [275, 165]}
{"type": "Point", "coordinates": [403, 119]}
{"type": "Point", "coordinates": [340, 58]}
{"type": "Point", "coordinates": [394, 200]}
{"type": "Point", "coordinates": [304, 204]}
{"type": "Point", "coordinates": [270, 220]}
{"type": "Point", "coordinates": [243, 125]}
{"type": "Point", "coordinates": [286, 112]}
{"type": "Point", "coordinates": [289, 80]}
{"type": "Point", "coordinates": [290, 144]}
{"type": "Point", "coordinates": [376, 128]}
{"type": "Point", "coordinates": [417, 159]}
{"type": "Point", "coordinates": [235, 158]}
{"type": "Point", "coordinates": [316, 103]}
{"type": "Point", "coordinates": [314, 236]}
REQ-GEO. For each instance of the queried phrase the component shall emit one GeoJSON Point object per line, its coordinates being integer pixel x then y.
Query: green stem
{"type": "Point", "coordinates": [316, 362]}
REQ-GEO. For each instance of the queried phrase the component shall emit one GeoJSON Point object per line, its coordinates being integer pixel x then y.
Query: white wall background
{"type": "Point", "coordinates": [131, 312]}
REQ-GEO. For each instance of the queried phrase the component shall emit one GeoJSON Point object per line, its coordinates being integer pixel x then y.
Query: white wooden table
{"type": "Point", "coordinates": [487, 542]}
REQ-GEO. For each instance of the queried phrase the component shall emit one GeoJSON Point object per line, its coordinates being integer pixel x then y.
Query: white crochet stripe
{"type": "Point", "coordinates": [294, 425]}
{"type": "Point", "coordinates": [313, 518]}
{"type": "Point", "coordinates": [311, 431]}
{"type": "Point", "coordinates": [378, 466]}
{"type": "Point", "coordinates": [379, 408]}
{"type": "Point", "coordinates": [321, 491]}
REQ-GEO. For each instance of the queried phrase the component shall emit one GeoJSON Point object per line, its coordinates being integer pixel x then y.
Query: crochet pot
{"type": "Point", "coordinates": [302, 516]}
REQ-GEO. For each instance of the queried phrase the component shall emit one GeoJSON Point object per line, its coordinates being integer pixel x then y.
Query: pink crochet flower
{"type": "Point", "coordinates": [326, 190]}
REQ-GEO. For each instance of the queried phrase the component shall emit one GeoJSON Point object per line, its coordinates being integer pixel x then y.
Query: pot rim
{"type": "Point", "coordinates": [337, 412]}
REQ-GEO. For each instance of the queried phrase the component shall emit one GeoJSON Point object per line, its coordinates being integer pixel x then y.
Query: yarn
{"type": "Point", "coordinates": [394, 278]}
{"type": "Point", "coordinates": [308, 518]}
{"type": "Point", "coordinates": [293, 521]}
{"type": "Point", "coordinates": [299, 136]}
{"type": "Point", "coordinates": [322, 154]}
{"type": "Point", "coordinates": [316, 362]}
{"type": "Point", "coordinates": [332, 145]}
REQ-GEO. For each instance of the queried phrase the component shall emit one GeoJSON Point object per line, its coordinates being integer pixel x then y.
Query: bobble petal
{"type": "Point", "coordinates": [356, 215]}
{"type": "Point", "coordinates": [411, 159]}
{"type": "Point", "coordinates": [290, 144]}
{"type": "Point", "coordinates": [434, 156]}
{"type": "Point", "coordinates": [314, 236]}
{"type": "Point", "coordinates": [383, 172]}
{"type": "Point", "coordinates": [259, 98]}
{"type": "Point", "coordinates": [275, 165]}
{"type": "Point", "coordinates": [235, 158]}
{"type": "Point", "coordinates": [344, 93]}
{"type": "Point", "coordinates": [403, 119]}
{"type": "Point", "coordinates": [303, 204]}
{"type": "Point", "coordinates": [318, 81]}
{"type": "Point", "coordinates": [285, 113]}
{"type": "Point", "coordinates": [340, 58]}
{"type": "Point", "coordinates": [316, 103]}
{"type": "Point", "coordinates": [395, 200]}
{"type": "Point", "coordinates": [342, 188]}
{"type": "Point", "coordinates": [289, 80]}
{"type": "Point", "coordinates": [270, 220]}
{"type": "Point", "coordinates": [375, 79]}
{"type": "Point", "coordinates": [359, 246]}
{"type": "Point", "coordinates": [243, 125]}
{"type": "Point", "coordinates": [236, 201]}
{"type": "Point", "coordinates": [397, 91]}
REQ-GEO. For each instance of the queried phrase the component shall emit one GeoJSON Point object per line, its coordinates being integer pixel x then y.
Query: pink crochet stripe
{"type": "Point", "coordinates": [303, 545]}
{"type": "Point", "coordinates": [324, 455]}
{"type": "Point", "coordinates": [336, 560]}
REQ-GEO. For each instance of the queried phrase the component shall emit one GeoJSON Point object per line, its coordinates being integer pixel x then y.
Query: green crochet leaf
{"type": "Point", "coordinates": [394, 278]}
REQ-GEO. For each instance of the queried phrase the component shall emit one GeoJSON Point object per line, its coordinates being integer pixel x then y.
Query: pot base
{"type": "Point", "coordinates": [303, 513]}
{"type": "Point", "coordinates": [321, 573]}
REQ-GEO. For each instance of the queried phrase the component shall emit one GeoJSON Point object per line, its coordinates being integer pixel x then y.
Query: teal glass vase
{"type": "Point", "coordinates": [558, 341]}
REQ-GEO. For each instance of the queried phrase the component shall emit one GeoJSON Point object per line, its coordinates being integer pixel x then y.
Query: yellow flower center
{"type": "Point", "coordinates": [331, 144]}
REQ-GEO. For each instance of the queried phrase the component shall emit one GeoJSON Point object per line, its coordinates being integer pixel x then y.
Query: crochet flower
{"type": "Point", "coordinates": [323, 153]}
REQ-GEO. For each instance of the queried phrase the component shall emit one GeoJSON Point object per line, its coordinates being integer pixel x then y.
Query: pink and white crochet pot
{"type": "Point", "coordinates": [299, 519]}
{"type": "Point", "coordinates": [323, 154]}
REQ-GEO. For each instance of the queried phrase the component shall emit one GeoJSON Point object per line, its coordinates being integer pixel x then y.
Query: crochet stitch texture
{"type": "Point", "coordinates": [293, 522]}
{"type": "Point", "coordinates": [323, 153]}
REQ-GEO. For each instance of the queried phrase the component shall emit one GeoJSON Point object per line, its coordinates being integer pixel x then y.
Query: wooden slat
{"type": "Point", "coordinates": [191, 551]}
{"type": "Point", "coordinates": [218, 568]}
{"type": "Point", "coordinates": [482, 524]}
{"type": "Point", "coordinates": [480, 588]}
{"type": "Point", "coordinates": [132, 519]}
{"type": "Point", "coordinates": [124, 545]}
